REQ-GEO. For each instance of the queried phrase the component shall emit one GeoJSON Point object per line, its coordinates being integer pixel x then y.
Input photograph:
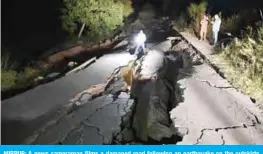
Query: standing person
{"type": "Point", "coordinates": [203, 30]}
{"type": "Point", "coordinates": [216, 28]}
{"type": "Point", "coordinates": [140, 41]}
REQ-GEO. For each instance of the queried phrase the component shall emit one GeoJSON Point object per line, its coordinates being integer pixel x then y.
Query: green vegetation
{"type": "Point", "coordinates": [243, 57]}
{"type": "Point", "coordinates": [128, 9]}
{"type": "Point", "coordinates": [231, 24]}
{"type": "Point", "coordinates": [196, 13]}
{"type": "Point", "coordinates": [8, 74]}
{"type": "Point", "coordinates": [100, 17]}
{"type": "Point", "coordinates": [28, 76]}
{"type": "Point", "coordinates": [245, 63]}
{"type": "Point", "coordinates": [10, 78]}
{"type": "Point", "coordinates": [189, 19]}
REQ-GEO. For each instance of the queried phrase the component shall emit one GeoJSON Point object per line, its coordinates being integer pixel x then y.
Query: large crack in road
{"type": "Point", "coordinates": [173, 99]}
{"type": "Point", "coordinates": [126, 133]}
{"type": "Point", "coordinates": [221, 129]}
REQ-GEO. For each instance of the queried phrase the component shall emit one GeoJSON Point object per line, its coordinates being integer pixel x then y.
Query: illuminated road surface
{"type": "Point", "coordinates": [24, 112]}
{"type": "Point", "coordinates": [212, 112]}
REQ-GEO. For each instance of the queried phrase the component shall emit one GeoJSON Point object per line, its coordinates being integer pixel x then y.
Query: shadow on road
{"type": "Point", "coordinates": [14, 131]}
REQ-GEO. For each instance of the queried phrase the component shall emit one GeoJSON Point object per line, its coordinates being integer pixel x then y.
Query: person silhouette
{"type": "Point", "coordinates": [140, 41]}
{"type": "Point", "coordinates": [216, 28]}
{"type": "Point", "coordinates": [203, 29]}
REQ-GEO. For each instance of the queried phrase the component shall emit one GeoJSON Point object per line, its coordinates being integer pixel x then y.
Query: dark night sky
{"type": "Point", "coordinates": [236, 4]}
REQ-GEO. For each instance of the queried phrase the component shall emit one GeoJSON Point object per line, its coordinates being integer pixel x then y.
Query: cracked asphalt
{"type": "Point", "coordinates": [90, 124]}
{"type": "Point", "coordinates": [29, 111]}
{"type": "Point", "coordinates": [212, 111]}
{"type": "Point", "coordinates": [215, 113]}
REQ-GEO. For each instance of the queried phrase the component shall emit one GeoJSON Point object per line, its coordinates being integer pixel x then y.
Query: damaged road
{"type": "Point", "coordinates": [117, 118]}
{"type": "Point", "coordinates": [213, 112]}
{"type": "Point", "coordinates": [25, 113]}
{"type": "Point", "coordinates": [173, 97]}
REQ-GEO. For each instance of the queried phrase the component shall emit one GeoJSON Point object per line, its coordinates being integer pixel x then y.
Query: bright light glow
{"type": "Point", "coordinates": [140, 38]}
{"type": "Point", "coordinates": [117, 59]}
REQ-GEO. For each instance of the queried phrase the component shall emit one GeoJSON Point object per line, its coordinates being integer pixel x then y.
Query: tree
{"type": "Point", "coordinates": [196, 12]}
{"type": "Point", "coordinates": [101, 17]}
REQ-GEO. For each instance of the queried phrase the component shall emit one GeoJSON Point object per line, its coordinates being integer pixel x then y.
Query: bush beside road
{"type": "Point", "coordinates": [16, 77]}
{"type": "Point", "coordinates": [241, 53]}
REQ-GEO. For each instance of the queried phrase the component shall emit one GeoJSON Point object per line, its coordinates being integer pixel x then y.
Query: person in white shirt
{"type": "Point", "coordinates": [140, 41]}
{"type": "Point", "coordinates": [216, 28]}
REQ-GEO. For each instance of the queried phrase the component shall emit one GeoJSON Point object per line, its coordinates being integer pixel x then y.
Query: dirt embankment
{"type": "Point", "coordinates": [56, 65]}
{"type": "Point", "coordinates": [69, 54]}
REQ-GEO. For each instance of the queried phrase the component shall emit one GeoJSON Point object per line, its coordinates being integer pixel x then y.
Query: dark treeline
{"type": "Point", "coordinates": [214, 6]}
{"type": "Point", "coordinates": [232, 6]}
{"type": "Point", "coordinates": [29, 27]}
{"type": "Point", "coordinates": [32, 27]}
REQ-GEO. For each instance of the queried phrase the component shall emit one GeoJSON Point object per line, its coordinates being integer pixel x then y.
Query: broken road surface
{"type": "Point", "coordinates": [210, 111]}
{"type": "Point", "coordinates": [213, 112]}
{"type": "Point", "coordinates": [24, 113]}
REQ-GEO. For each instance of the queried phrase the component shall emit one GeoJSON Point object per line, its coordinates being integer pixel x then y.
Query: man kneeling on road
{"type": "Point", "coordinates": [140, 42]}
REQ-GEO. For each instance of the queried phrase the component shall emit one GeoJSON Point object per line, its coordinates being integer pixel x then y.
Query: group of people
{"type": "Point", "coordinates": [141, 37]}
{"type": "Point", "coordinates": [215, 28]}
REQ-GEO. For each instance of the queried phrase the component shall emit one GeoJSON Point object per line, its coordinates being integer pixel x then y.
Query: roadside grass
{"type": "Point", "coordinates": [237, 77]}
{"type": "Point", "coordinates": [8, 73]}
{"type": "Point", "coordinates": [243, 63]}
{"type": "Point", "coordinates": [189, 20]}
{"type": "Point", "coordinates": [8, 78]}
{"type": "Point", "coordinates": [11, 78]}
{"type": "Point", "coordinates": [15, 77]}
{"type": "Point", "coordinates": [28, 77]}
